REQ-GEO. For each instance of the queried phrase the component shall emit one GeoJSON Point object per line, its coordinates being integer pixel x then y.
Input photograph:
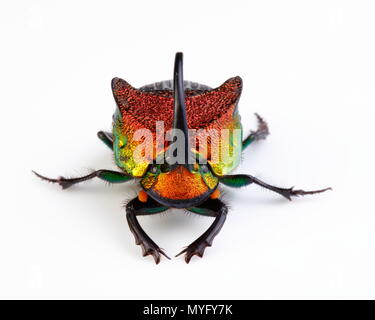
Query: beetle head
{"type": "Point", "coordinates": [177, 186]}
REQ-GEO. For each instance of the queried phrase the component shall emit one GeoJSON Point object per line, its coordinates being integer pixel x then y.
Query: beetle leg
{"type": "Point", "coordinates": [106, 175]}
{"type": "Point", "coordinates": [107, 138]}
{"type": "Point", "coordinates": [213, 208]}
{"type": "Point", "coordinates": [135, 208]}
{"type": "Point", "coordinates": [261, 133]}
{"type": "Point", "coordinates": [241, 180]}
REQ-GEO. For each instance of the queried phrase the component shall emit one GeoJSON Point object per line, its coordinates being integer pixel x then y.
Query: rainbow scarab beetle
{"type": "Point", "coordinates": [192, 182]}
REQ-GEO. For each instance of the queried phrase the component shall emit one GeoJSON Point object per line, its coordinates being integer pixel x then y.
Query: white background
{"type": "Point", "coordinates": [308, 68]}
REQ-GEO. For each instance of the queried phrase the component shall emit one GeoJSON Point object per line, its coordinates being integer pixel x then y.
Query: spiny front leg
{"type": "Point", "coordinates": [135, 208]}
{"type": "Point", "coordinates": [241, 180]}
{"type": "Point", "coordinates": [213, 208]}
{"type": "Point", "coordinates": [106, 175]}
{"type": "Point", "coordinates": [261, 133]}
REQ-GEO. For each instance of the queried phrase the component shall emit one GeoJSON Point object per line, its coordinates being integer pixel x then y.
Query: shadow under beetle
{"type": "Point", "coordinates": [193, 186]}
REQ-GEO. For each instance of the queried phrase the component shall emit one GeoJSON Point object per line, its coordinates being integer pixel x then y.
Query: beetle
{"type": "Point", "coordinates": [189, 184]}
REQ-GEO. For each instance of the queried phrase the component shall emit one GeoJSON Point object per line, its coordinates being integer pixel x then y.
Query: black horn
{"type": "Point", "coordinates": [180, 118]}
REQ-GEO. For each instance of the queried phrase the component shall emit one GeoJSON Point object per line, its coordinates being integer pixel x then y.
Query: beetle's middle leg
{"type": "Point", "coordinates": [106, 175]}
{"type": "Point", "coordinates": [212, 208]}
{"type": "Point", "coordinates": [241, 180]}
{"type": "Point", "coordinates": [261, 133]}
{"type": "Point", "coordinates": [138, 208]}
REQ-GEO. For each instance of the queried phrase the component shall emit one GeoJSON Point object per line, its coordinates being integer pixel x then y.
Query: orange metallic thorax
{"type": "Point", "coordinates": [180, 184]}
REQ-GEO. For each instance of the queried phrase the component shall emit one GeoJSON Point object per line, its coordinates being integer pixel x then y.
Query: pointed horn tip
{"type": "Point", "coordinates": [114, 81]}
{"type": "Point", "coordinates": [179, 58]}
{"type": "Point", "coordinates": [117, 80]}
{"type": "Point", "coordinates": [118, 83]}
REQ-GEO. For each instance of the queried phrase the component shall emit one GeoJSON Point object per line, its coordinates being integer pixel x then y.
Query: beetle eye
{"type": "Point", "coordinates": [153, 168]}
{"type": "Point", "coordinates": [165, 167]}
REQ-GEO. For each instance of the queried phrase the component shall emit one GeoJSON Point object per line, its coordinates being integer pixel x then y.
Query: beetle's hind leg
{"type": "Point", "coordinates": [261, 133]}
{"type": "Point", "coordinates": [107, 138]}
{"type": "Point", "coordinates": [212, 208]}
{"type": "Point", "coordinates": [137, 208]}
